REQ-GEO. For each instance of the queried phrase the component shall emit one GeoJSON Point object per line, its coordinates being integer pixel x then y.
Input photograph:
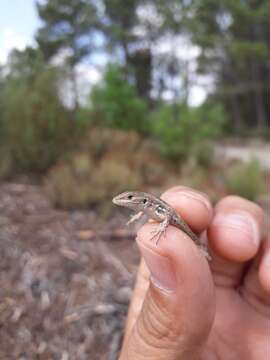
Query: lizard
{"type": "Point", "coordinates": [158, 210]}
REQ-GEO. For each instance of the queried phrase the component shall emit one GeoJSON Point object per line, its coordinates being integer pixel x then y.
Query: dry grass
{"type": "Point", "coordinates": [110, 161]}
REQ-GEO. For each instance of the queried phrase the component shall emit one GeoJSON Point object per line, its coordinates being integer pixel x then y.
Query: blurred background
{"type": "Point", "coordinates": [102, 96]}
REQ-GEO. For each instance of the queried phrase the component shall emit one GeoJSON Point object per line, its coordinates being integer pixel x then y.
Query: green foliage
{"type": "Point", "coordinates": [116, 104]}
{"type": "Point", "coordinates": [67, 25]}
{"type": "Point", "coordinates": [119, 24]}
{"type": "Point", "coordinates": [6, 163]}
{"type": "Point", "coordinates": [68, 28]}
{"type": "Point", "coordinates": [181, 130]}
{"type": "Point", "coordinates": [232, 38]}
{"type": "Point", "coordinates": [245, 180]}
{"type": "Point", "coordinates": [35, 126]}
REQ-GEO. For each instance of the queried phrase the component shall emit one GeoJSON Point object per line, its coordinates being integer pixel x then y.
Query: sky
{"type": "Point", "coordinates": [18, 24]}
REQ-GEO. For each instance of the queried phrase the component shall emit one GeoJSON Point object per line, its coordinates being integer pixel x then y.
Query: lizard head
{"type": "Point", "coordinates": [133, 200]}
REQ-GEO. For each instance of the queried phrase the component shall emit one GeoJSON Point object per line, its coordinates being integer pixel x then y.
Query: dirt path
{"type": "Point", "coordinates": [245, 152]}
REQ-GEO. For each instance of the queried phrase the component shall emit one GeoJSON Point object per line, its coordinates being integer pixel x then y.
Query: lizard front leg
{"type": "Point", "coordinates": [160, 230]}
{"type": "Point", "coordinates": [135, 217]}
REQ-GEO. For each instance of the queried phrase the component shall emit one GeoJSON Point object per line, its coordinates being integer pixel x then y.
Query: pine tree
{"type": "Point", "coordinates": [69, 30]}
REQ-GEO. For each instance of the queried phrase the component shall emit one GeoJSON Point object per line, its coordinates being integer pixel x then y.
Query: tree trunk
{"type": "Point", "coordinates": [74, 85]}
{"type": "Point", "coordinates": [141, 62]}
{"type": "Point", "coordinates": [236, 114]}
{"type": "Point", "coordinates": [261, 118]}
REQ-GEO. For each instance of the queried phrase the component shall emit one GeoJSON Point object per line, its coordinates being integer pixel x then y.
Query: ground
{"type": "Point", "coordinates": [65, 279]}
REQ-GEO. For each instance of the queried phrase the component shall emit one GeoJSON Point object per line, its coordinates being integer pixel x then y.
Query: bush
{"type": "Point", "coordinates": [96, 173]}
{"type": "Point", "coordinates": [82, 183]}
{"type": "Point", "coordinates": [180, 130]}
{"type": "Point", "coordinates": [38, 127]}
{"type": "Point", "coordinates": [245, 180]}
{"type": "Point", "coordinates": [100, 141]}
{"type": "Point", "coordinates": [129, 148]}
{"type": "Point", "coordinates": [35, 126]}
{"type": "Point", "coordinates": [6, 163]}
{"type": "Point", "coordinates": [111, 161]}
{"type": "Point", "coordinates": [203, 154]}
{"type": "Point", "coordinates": [64, 189]}
{"type": "Point", "coordinates": [116, 104]}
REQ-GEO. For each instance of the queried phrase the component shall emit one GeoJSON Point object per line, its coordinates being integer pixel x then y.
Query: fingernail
{"type": "Point", "coordinates": [198, 197]}
{"type": "Point", "coordinates": [240, 221]}
{"type": "Point", "coordinates": [161, 269]}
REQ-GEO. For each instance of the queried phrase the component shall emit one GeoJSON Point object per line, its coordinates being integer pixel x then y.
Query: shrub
{"type": "Point", "coordinates": [63, 188]}
{"type": "Point", "coordinates": [129, 148]}
{"type": "Point", "coordinates": [181, 129]}
{"type": "Point", "coordinates": [96, 185]}
{"type": "Point", "coordinates": [6, 163]}
{"type": "Point", "coordinates": [113, 176]}
{"type": "Point", "coordinates": [35, 126]}
{"type": "Point", "coordinates": [38, 127]}
{"type": "Point", "coordinates": [96, 173]}
{"type": "Point", "coordinates": [245, 180]}
{"type": "Point", "coordinates": [116, 104]}
{"type": "Point", "coordinates": [203, 154]}
{"type": "Point", "coordinates": [111, 161]}
{"type": "Point", "coordinates": [100, 141]}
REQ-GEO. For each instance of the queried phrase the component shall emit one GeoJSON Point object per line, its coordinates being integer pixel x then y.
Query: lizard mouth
{"type": "Point", "coordinates": [120, 199]}
{"type": "Point", "coordinates": [115, 200]}
{"type": "Point", "coordinates": [125, 199]}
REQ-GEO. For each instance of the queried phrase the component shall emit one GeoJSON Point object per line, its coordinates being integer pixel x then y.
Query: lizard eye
{"type": "Point", "coordinates": [144, 201]}
{"type": "Point", "coordinates": [130, 197]}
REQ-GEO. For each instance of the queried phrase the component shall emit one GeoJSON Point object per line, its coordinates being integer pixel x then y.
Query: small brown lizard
{"type": "Point", "coordinates": [157, 209]}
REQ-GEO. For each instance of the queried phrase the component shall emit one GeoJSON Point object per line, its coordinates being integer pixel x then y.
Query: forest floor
{"type": "Point", "coordinates": [65, 278]}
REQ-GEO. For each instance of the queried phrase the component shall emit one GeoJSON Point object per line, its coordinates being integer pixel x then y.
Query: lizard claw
{"type": "Point", "coordinates": [158, 233]}
{"type": "Point", "coordinates": [205, 252]}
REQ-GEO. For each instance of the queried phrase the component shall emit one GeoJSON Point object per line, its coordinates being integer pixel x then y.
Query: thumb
{"type": "Point", "coordinates": [179, 305]}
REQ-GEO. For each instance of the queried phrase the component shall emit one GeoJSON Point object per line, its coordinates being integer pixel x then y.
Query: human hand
{"type": "Point", "coordinates": [186, 308]}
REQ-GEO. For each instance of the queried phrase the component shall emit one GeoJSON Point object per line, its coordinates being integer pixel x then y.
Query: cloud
{"type": "Point", "coordinates": [197, 96]}
{"type": "Point", "coordinates": [182, 49]}
{"type": "Point", "coordinates": [9, 40]}
{"type": "Point", "coordinates": [86, 76]}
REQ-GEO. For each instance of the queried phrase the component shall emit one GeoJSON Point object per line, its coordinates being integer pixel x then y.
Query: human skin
{"type": "Point", "coordinates": [185, 307]}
